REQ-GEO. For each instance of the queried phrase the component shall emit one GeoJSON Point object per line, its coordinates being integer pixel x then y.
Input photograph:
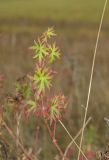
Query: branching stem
{"type": "Point", "coordinates": [53, 139]}
{"type": "Point", "coordinates": [19, 143]}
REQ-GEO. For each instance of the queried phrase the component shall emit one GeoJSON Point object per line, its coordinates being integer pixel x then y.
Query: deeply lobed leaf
{"type": "Point", "coordinates": [42, 78]}
{"type": "Point", "coordinates": [54, 53]}
{"type": "Point", "coordinates": [40, 50]}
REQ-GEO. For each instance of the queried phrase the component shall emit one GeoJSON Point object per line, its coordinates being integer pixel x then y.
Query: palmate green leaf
{"type": "Point", "coordinates": [54, 111]}
{"type": "Point", "coordinates": [42, 78]}
{"type": "Point", "coordinates": [54, 53]}
{"type": "Point", "coordinates": [50, 32]}
{"type": "Point", "coordinates": [32, 105]}
{"type": "Point", "coordinates": [40, 50]}
{"type": "Point", "coordinates": [23, 89]}
{"type": "Point", "coordinates": [57, 104]}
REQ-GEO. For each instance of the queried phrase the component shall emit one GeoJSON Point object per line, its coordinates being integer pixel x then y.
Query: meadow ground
{"type": "Point", "coordinates": [76, 23]}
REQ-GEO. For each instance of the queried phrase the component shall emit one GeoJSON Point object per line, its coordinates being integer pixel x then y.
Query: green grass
{"type": "Point", "coordinates": [66, 10]}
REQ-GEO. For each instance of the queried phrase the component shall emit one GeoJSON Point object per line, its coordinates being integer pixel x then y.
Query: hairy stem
{"type": "Point", "coordinates": [54, 139]}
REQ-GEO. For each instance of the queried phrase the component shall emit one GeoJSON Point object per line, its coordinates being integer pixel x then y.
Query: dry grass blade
{"type": "Point", "coordinates": [91, 77]}
{"type": "Point", "coordinates": [73, 140]}
{"type": "Point", "coordinates": [77, 135]}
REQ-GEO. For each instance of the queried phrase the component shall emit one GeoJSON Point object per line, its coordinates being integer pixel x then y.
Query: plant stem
{"type": "Point", "coordinates": [91, 77]}
{"type": "Point", "coordinates": [53, 139]}
{"type": "Point", "coordinates": [77, 135]}
{"type": "Point", "coordinates": [14, 137]}
{"type": "Point", "coordinates": [72, 138]}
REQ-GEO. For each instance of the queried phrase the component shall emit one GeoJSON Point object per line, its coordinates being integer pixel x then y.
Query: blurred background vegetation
{"type": "Point", "coordinates": [76, 23]}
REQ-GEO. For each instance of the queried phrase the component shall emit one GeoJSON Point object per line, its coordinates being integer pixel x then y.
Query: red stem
{"type": "Point", "coordinates": [14, 137]}
{"type": "Point", "coordinates": [54, 139]}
